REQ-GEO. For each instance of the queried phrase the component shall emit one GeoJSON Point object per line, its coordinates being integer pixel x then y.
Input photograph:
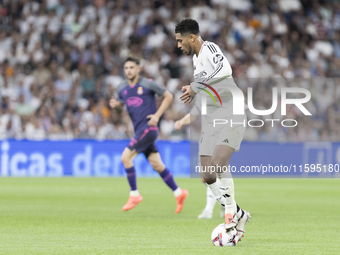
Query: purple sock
{"type": "Point", "coordinates": [168, 179]}
{"type": "Point", "coordinates": [131, 176]}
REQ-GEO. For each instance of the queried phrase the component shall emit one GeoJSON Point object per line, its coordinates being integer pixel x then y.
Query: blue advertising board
{"type": "Point", "coordinates": [85, 158]}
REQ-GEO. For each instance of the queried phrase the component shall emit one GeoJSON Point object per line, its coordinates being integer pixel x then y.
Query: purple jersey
{"type": "Point", "coordinates": [140, 100]}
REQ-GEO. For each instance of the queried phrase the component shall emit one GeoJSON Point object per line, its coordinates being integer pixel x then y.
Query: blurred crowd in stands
{"type": "Point", "coordinates": [61, 61]}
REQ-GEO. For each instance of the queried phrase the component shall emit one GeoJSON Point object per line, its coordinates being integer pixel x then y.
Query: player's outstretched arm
{"type": "Point", "coordinates": [154, 118]}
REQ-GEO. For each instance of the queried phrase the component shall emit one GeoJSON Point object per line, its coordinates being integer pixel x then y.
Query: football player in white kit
{"type": "Point", "coordinates": [218, 142]}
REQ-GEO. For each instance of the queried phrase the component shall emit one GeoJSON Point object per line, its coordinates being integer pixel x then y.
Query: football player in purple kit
{"type": "Point", "coordinates": [138, 94]}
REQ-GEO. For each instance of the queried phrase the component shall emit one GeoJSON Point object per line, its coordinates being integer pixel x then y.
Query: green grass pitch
{"type": "Point", "coordinates": [84, 216]}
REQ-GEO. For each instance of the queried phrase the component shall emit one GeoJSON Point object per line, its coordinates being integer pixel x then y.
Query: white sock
{"type": "Point", "coordinates": [177, 192]}
{"type": "Point", "coordinates": [217, 193]}
{"type": "Point", "coordinates": [226, 184]}
{"type": "Point", "coordinates": [134, 193]}
{"type": "Point", "coordinates": [231, 182]}
{"type": "Point", "coordinates": [239, 213]}
{"type": "Point", "coordinates": [211, 201]}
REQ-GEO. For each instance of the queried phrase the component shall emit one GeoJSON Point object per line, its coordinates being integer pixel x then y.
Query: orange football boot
{"type": "Point", "coordinates": [132, 202]}
{"type": "Point", "coordinates": [180, 200]}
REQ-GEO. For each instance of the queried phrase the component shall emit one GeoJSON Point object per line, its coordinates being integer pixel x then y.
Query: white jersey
{"type": "Point", "coordinates": [210, 63]}
{"type": "Point", "coordinates": [212, 83]}
{"type": "Point", "coordinates": [210, 67]}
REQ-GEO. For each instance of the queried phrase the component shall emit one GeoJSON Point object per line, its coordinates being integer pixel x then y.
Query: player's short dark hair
{"type": "Point", "coordinates": [132, 59]}
{"type": "Point", "coordinates": [187, 26]}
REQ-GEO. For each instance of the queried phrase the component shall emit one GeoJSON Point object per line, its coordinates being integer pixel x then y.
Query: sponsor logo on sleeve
{"type": "Point", "coordinates": [218, 58]}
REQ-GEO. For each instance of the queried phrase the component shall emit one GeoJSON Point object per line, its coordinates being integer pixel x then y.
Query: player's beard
{"type": "Point", "coordinates": [132, 79]}
{"type": "Point", "coordinates": [190, 51]}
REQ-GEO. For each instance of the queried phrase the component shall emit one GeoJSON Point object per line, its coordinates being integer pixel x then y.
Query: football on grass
{"type": "Point", "coordinates": [220, 237]}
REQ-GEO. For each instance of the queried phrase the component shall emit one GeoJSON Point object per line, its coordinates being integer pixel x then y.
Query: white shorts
{"type": "Point", "coordinates": [223, 134]}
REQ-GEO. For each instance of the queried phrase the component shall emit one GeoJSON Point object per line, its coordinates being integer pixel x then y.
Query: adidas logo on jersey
{"type": "Point", "coordinates": [225, 141]}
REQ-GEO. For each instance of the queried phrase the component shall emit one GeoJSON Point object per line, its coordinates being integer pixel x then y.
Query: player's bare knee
{"type": "Point", "coordinates": [157, 166]}
{"type": "Point", "coordinates": [126, 161]}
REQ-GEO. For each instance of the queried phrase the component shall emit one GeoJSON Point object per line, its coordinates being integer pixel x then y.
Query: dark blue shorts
{"type": "Point", "coordinates": [145, 142]}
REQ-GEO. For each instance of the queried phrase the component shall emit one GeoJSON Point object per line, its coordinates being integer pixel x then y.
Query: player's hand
{"type": "Point", "coordinates": [114, 103]}
{"type": "Point", "coordinates": [178, 124]}
{"type": "Point", "coordinates": [153, 120]}
{"type": "Point", "coordinates": [188, 95]}
{"type": "Point", "coordinates": [185, 97]}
